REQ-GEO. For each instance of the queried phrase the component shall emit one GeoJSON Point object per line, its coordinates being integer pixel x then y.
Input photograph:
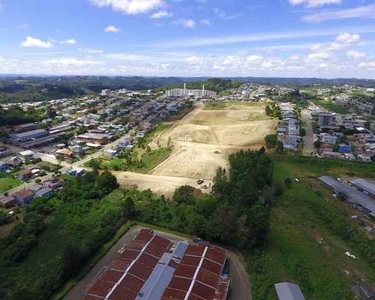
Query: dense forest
{"type": "Point", "coordinates": [17, 116]}
{"type": "Point", "coordinates": [54, 239]}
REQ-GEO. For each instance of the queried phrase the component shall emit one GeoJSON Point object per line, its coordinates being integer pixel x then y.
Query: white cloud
{"type": "Point", "coordinates": [206, 22]}
{"type": "Point", "coordinates": [314, 3]}
{"type": "Point", "coordinates": [187, 23]}
{"type": "Point", "coordinates": [254, 59]}
{"type": "Point", "coordinates": [318, 56]}
{"type": "Point", "coordinates": [347, 38]}
{"type": "Point", "coordinates": [33, 42]}
{"type": "Point", "coordinates": [356, 54]}
{"type": "Point", "coordinates": [126, 56]}
{"type": "Point", "coordinates": [90, 51]}
{"type": "Point", "coordinates": [112, 29]}
{"type": "Point", "coordinates": [71, 62]}
{"type": "Point", "coordinates": [162, 14]}
{"type": "Point", "coordinates": [23, 26]}
{"type": "Point", "coordinates": [265, 36]}
{"type": "Point", "coordinates": [366, 12]}
{"type": "Point", "coordinates": [69, 42]}
{"type": "Point", "coordinates": [223, 15]}
{"type": "Point", "coordinates": [130, 7]}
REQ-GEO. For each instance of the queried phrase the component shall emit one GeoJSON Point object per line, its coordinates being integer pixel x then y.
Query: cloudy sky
{"type": "Point", "coordinates": [302, 38]}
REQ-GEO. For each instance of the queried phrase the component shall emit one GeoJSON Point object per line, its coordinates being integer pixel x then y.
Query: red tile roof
{"type": "Point", "coordinates": [145, 237]}
{"type": "Point", "coordinates": [161, 242]}
{"type": "Point", "coordinates": [181, 284]}
{"type": "Point", "coordinates": [129, 254]}
{"type": "Point", "coordinates": [122, 293]}
{"type": "Point", "coordinates": [171, 294]}
{"type": "Point", "coordinates": [120, 264]}
{"type": "Point", "coordinates": [217, 255]}
{"type": "Point", "coordinates": [148, 260]}
{"type": "Point", "coordinates": [140, 270]}
{"type": "Point", "coordinates": [194, 250]}
{"type": "Point", "coordinates": [185, 271]}
{"type": "Point", "coordinates": [132, 283]}
{"type": "Point", "coordinates": [211, 266]}
{"type": "Point", "coordinates": [208, 278]}
{"type": "Point", "coordinates": [136, 245]}
{"type": "Point", "coordinates": [191, 260]}
{"type": "Point", "coordinates": [203, 291]}
{"type": "Point", "coordinates": [111, 276]}
{"type": "Point", "coordinates": [100, 288]}
{"type": "Point", "coordinates": [155, 250]}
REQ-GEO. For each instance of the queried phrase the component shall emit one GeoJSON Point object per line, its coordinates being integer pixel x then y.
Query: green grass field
{"type": "Point", "coordinates": [7, 184]}
{"type": "Point", "coordinates": [306, 243]}
{"type": "Point", "coordinates": [332, 106]}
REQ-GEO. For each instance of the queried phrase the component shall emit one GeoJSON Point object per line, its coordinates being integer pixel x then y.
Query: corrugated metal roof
{"type": "Point", "coordinates": [288, 291]}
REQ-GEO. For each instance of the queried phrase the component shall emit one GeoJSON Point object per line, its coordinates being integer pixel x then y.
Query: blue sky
{"type": "Point", "coordinates": [301, 38]}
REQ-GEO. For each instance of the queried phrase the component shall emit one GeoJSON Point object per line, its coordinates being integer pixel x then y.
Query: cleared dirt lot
{"type": "Point", "coordinates": [202, 142]}
{"type": "Point", "coordinates": [203, 139]}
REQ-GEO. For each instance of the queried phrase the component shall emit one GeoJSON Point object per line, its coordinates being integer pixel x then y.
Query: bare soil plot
{"type": "Point", "coordinates": [203, 140]}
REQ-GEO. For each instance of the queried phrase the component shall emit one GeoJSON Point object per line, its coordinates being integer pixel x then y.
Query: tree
{"type": "Point", "coordinates": [288, 183]}
{"type": "Point", "coordinates": [184, 195]}
{"type": "Point", "coordinates": [317, 144]}
{"type": "Point", "coordinates": [302, 132]}
{"type": "Point", "coordinates": [129, 208]}
{"type": "Point", "coordinates": [280, 147]}
{"type": "Point", "coordinates": [268, 110]}
{"type": "Point", "coordinates": [373, 158]}
{"type": "Point", "coordinates": [106, 181]}
{"type": "Point", "coordinates": [271, 141]}
{"type": "Point", "coordinates": [95, 164]}
{"type": "Point", "coordinates": [278, 190]}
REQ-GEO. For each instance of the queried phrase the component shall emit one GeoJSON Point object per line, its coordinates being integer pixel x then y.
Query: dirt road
{"type": "Point", "coordinates": [240, 284]}
{"type": "Point", "coordinates": [308, 140]}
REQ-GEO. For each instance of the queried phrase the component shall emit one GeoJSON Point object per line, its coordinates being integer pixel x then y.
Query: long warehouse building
{"type": "Point", "coordinates": [153, 267]}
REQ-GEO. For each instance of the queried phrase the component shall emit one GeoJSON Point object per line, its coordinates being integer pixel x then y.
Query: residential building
{"type": "Point", "coordinates": [329, 139]}
{"type": "Point", "coordinates": [364, 186]}
{"type": "Point", "coordinates": [24, 196]}
{"type": "Point", "coordinates": [24, 174]}
{"type": "Point", "coordinates": [325, 120]}
{"type": "Point", "coordinates": [26, 155]}
{"type": "Point", "coordinates": [7, 202]}
{"type": "Point", "coordinates": [94, 138]}
{"type": "Point", "coordinates": [44, 193]}
{"type": "Point", "coordinates": [54, 183]}
{"type": "Point", "coordinates": [343, 148]}
{"type": "Point", "coordinates": [4, 166]}
{"type": "Point", "coordinates": [26, 127]}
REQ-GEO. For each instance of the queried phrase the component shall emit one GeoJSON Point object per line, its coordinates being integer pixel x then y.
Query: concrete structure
{"type": "Point", "coordinates": [26, 155]}
{"type": "Point", "coordinates": [186, 92]}
{"type": "Point", "coordinates": [153, 267]}
{"type": "Point", "coordinates": [350, 194]}
{"type": "Point", "coordinates": [29, 135]}
{"type": "Point", "coordinates": [364, 186]}
{"type": "Point", "coordinates": [94, 138]}
{"type": "Point", "coordinates": [288, 291]}
{"type": "Point", "coordinates": [325, 120]}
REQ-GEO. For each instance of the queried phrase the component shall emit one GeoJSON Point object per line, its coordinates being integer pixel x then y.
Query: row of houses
{"type": "Point", "coordinates": [26, 195]}
{"type": "Point", "coordinates": [288, 131]}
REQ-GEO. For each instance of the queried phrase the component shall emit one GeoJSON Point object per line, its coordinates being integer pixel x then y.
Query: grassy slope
{"type": "Point", "coordinates": [7, 184]}
{"type": "Point", "coordinates": [296, 252]}
{"type": "Point", "coordinates": [332, 106]}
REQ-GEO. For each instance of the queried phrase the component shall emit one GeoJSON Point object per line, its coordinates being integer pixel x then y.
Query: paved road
{"type": "Point", "coordinates": [309, 138]}
{"type": "Point", "coordinates": [240, 285]}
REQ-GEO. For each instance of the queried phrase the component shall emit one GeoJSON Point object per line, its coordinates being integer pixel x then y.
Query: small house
{"type": "Point", "coordinates": [7, 202]}
{"type": "Point", "coordinates": [343, 148]}
{"type": "Point", "coordinates": [44, 193]}
{"type": "Point", "coordinates": [24, 196]}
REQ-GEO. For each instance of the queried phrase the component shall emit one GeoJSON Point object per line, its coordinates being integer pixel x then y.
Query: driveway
{"type": "Point", "coordinates": [240, 283]}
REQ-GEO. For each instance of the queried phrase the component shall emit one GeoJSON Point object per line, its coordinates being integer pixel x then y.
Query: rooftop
{"type": "Point", "coordinates": [154, 267]}
{"type": "Point", "coordinates": [288, 291]}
